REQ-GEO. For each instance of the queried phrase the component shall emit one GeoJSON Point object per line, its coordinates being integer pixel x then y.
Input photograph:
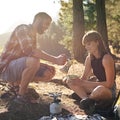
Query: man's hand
{"type": "Point", "coordinates": [61, 59]}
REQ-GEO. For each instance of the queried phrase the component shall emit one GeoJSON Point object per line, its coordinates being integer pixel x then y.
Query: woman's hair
{"type": "Point", "coordinates": [94, 36]}
{"type": "Point", "coordinates": [42, 15]}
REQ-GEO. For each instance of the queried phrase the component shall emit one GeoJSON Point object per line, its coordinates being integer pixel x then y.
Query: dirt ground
{"type": "Point", "coordinates": [12, 111]}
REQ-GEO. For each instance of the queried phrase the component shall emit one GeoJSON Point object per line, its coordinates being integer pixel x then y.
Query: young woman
{"type": "Point", "coordinates": [101, 64]}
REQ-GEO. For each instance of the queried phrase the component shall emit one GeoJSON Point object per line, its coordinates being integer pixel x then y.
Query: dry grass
{"type": "Point", "coordinates": [13, 111]}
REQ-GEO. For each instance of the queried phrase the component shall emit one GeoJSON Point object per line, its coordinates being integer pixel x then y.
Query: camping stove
{"type": "Point", "coordinates": [55, 106]}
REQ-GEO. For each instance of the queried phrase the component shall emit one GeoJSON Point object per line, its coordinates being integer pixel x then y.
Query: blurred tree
{"type": "Point", "coordinates": [49, 42]}
{"type": "Point", "coordinates": [113, 23]}
{"type": "Point", "coordinates": [66, 22]}
{"type": "Point", "coordinates": [89, 14]}
{"type": "Point", "coordinates": [78, 30]}
{"type": "Point", "coordinates": [113, 18]}
{"type": "Point", "coordinates": [68, 33]}
{"type": "Point", "coordinates": [101, 21]}
{"type": "Point", "coordinates": [73, 26]}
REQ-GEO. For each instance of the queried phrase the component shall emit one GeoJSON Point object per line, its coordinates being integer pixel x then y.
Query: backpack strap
{"type": "Point", "coordinates": [114, 103]}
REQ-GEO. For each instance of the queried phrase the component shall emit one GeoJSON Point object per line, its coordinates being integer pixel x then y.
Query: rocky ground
{"type": "Point", "coordinates": [12, 111]}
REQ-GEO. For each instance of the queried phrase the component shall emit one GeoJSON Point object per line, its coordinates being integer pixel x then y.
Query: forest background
{"type": "Point", "coordinates": [61, 36]}
{"type": "Point", "coordinates": [64, 36]}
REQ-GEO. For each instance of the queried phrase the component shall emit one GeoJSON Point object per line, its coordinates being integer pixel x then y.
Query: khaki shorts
{"type": "Point", "coordinates": [15, 68]}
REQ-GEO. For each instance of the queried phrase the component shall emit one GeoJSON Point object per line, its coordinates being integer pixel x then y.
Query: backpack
{"type": "Point", "coordinates": [116, 107]}
{"type": "Point", "coordinates": [112, 112]}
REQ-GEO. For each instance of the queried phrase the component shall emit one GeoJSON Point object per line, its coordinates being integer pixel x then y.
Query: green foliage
{"type": "Point", "coordinates": [112, 17]}
{"type": "Point", "coordinates": [113, 22]}
{"type": "Point", "coordinates": [49, 42]}
{"type": "Point", "coordinates": [89, 14]}
{"type": "Point", "coordinates": [66, 21]}
{"type": "Point", "coordinates": [116, 45]}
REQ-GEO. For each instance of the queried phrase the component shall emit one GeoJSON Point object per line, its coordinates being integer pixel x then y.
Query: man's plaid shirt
{"type": "Point", "coordinates": [21, 43]}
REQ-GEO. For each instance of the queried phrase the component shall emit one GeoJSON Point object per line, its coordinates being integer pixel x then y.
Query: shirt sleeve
{"type": "Point", "coordinates": [25, 40]}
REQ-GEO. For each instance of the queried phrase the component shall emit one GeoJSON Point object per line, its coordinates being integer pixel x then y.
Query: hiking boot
{"type": "Point", "coordinates": [31, 96]}
{"type": "Point", "coordinates": [88, 105]}
{"type": "Point", "coordinates": [14, 89]}
{"type": "Point", "coordinates": [75, 97]}
{"type": "Point", "coordinates": [6, 95]}
{"type": "Point", "coordinates": [20, 99]}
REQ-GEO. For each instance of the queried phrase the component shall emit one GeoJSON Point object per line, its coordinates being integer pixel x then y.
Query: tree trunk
{"type": "Point", "coordinates": [78, 30]}
{"type": "Point", "coordinates": [101, 21]}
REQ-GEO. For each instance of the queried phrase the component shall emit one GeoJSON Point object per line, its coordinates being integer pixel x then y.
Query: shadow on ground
{"type": "Point", "coordinates": [27, 111]}
{"type": "Point", "coordinates": [10, 110]}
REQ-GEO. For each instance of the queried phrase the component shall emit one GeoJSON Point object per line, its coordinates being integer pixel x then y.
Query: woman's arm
{"type": "Point", "coordinates": [109, 67]}
{"type": "Point", "coordinates": [108, 64]}
{"type": "Point", "coordinates": [88, 70]}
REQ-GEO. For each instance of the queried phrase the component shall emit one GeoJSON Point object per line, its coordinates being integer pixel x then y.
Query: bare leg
{"type": "Point", "coordinates": [28, 74]}
{"type": "Point", "coordinates": [49, 73]}
{"type": "Point", "coordinates": [98, 93]}
{"type": "Point", "coordinates": [77, 86]}
{"type": "Point", "coordinates": [83, 88]}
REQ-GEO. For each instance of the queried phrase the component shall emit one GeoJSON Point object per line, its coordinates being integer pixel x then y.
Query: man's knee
{"type": "Point", "coordinates": [32, 62]}
{"type": "Point", "coordinates": [49, 75]}
{"type": "Point", "coordinates": [45, 73]}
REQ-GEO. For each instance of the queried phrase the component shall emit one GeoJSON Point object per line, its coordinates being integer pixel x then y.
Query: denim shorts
{"type": "Point", "coordinates": [15, 68]}
{"type": "Point", "coordinates": [113, 91]}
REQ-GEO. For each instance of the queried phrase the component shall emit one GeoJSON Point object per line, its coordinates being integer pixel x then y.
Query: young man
{"type": "Point", "coordinates": [20, 60]}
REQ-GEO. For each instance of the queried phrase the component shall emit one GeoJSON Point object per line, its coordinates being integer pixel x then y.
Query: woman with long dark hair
{"type": "Point", "coordinates": [100, 64]}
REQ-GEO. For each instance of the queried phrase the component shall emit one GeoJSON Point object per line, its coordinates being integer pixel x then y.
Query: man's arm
{"type": "Point", "coordinates": [60, 60]}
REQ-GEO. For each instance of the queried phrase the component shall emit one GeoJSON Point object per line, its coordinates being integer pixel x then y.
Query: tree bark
{"type": "Point", "coordinates": [78, 30]}
{"type": "Point", "coordinates": [101, 21]}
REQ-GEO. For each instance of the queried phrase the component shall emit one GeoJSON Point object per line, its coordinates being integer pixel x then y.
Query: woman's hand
{"type": "Point", "coordinates": [71, 79]}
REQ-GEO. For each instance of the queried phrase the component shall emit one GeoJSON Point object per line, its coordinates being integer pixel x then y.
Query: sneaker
{"type": "Point", "coordinates": [24, 100]}
{"type": "Point", "coordinates": [20, 99]}
{"type": "Point", "coordinates": [75, 97]}
{"type": "Point", "coordinates": [6, 95]}
{"type": "Point", "coordinates": [88, 105]}
{"type": "Point", "coordinates": [14, 89]}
